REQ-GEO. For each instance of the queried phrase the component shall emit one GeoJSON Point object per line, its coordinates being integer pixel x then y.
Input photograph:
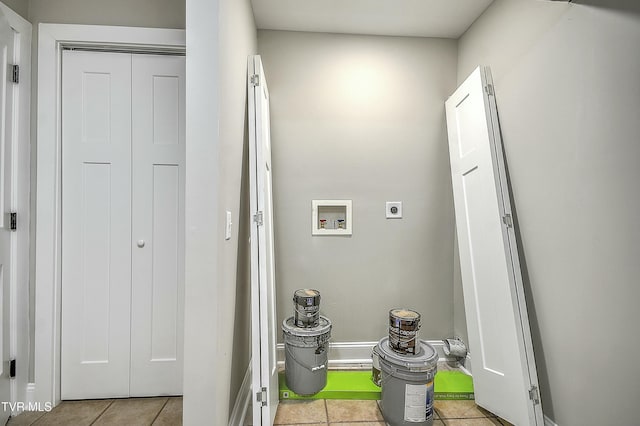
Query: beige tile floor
{"type": "Point", "coordinates": [162, 411]}
{"type": "Point", "coordinates": [168, 412]}
{"type": "Point", "coordinates": [367, 413]}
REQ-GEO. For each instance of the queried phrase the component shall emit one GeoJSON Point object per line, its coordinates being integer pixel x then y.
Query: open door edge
{"type": "Point", "coordinates": [256, 381]}
{"type": "Point", "coordinates": [511, 246]}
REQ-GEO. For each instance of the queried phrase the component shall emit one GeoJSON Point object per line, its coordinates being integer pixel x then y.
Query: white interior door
{"type": "Point", "coordinates": [122, 224]}
{"type": "Point", "coordinates": [96, 224]}
{"type": "Point", "coordinates": [504, 372]}
{"type": "Point", "coordinates": [7, 205]}
{"type": "Point", "coordinates": [157, 294]}
{"type": "Point", "coordinates": [263, 322]}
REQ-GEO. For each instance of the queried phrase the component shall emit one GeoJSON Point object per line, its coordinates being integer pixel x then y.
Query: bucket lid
{"type": "Point", "coordinates": [306, 292]}
{"type": "Point", "coordinates": [324, 326]}
{"type": "Point", "coordinates": [405, 314]}
{"type": "Point", "coordinates": [426, 357]}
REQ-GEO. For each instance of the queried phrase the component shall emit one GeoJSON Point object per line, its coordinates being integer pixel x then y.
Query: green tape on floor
{"type": "Point", "coordinates": [453, 385]}
{"type": "Point", "coordinates": [357, 384]}
{"type": "Point", "coordinates": [341, 384]}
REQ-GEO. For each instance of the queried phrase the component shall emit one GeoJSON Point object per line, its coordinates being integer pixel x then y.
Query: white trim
{"type": "Point", "coordinates": [52, 38]}
{"type": "Point", "coordinates": [243, 400]}
{"type": "Point", "coordinates": [466, 366]}
{"type": "Point", "coordinates": [19, 279]}
{"type": "Point", "coordinates": [357, 355]}
{"type": "Point", "coordinates": [30, 394]}
{"type": "Point", "coordinates": [549, 422]}
{"type": "Point", "coordinates": [315, 217]}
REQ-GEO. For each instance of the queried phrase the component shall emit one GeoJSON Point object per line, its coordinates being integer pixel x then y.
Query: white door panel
{"type": "Point", "coordinates": [122, 224]}
{"type": "Point", "coordinates": [158, 222]}
{"type": "Point", "coordinates": [264, 326]}
{"type": "Point", "coordinates": [96, 227]}
{"type": "Point", "coordinates": [7, 205]}
{"type": "Point", "coordinates": [499, 338]}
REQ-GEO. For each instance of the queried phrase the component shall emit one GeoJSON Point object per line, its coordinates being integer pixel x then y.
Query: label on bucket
{"type": "Point", "coordinates": [418, 402]}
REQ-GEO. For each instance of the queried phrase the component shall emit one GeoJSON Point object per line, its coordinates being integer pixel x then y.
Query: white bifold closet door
{"type": "Point", "coordinates": [504, 370]}
{"type": "Point", "coordinates": [122, 224]}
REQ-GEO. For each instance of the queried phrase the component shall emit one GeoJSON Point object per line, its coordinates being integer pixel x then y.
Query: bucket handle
{"type": "Point", "coordinates": [384, 379]}
{"type": "Point", "coordinates": [308, 367]}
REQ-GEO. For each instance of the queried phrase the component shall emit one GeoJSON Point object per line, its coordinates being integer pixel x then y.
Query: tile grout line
{"type": "Point", "coordinates": [102, 412]}
{"type": "Point", "coordinates": [465, 418]}
{"type": "Point", "coordinates": [379, 406]}
{"type": "Point", "coordinates": [160, 410]}
{"type": "Point", "coordinates": [39, 417]}
{"type": "Point", "coordinates": [326, 411]}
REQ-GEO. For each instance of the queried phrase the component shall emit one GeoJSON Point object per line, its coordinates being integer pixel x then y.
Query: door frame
{"type": "Point", "coordinates": [20, 242]}
{"type": "Point", "coordinates": [52, 38]}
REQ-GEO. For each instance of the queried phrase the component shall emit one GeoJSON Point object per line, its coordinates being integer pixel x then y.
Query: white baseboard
{"type": "Point", "coordinates": [356, 355]}
{"type": "Point", "coordinates": [466, 366]}
{"type": "Point", "coordinates": [30, 395]}
{"type": "Point", "coordinates": [549, 422]}
{"type": "Point", "coordinates": [243, 401]}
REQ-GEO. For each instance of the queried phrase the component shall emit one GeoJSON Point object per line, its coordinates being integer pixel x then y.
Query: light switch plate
{"type": "Point", "coordinates": [394, 210]}
{"type": "Point", "coordinates": [227, 228]}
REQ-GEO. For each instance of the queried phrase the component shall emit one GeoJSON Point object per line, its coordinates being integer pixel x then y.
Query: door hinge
{"type": "Point", "coordinates": [13, 221]}
{"type": "Point", "coordinates": [258, 218]}
{"type": "Point", "coordinates": [12, 369]}
{"type": "Point", "coordinates": [261, 397]}
{"type": "Point", "coordinates": [489, 89]}
{"type": "Point", "coordinates": [507, 220]}
{"type": "Point", "coordinates": [255, 80]}
{"type": "Point", "coordinates": [15, 73]}
{"type": "Point", "coordinates": [534, 395]}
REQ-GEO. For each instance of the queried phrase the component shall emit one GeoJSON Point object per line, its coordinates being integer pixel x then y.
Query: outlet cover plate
{"type": "Point", "coordinates": [394, 209]}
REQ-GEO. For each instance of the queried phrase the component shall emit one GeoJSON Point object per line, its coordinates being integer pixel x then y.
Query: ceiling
{"type": "Point", "coordinates": [417, 18]}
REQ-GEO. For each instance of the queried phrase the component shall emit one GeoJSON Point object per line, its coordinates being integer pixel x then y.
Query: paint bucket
{"type": "Point", "coordinates": [306, 305]}
{"type": "Point", "coordinates": [403, 330]}
{"type": "Point", "coordinates": [407, 384]}
{"type": "Point", "coordinates": [306, 356]}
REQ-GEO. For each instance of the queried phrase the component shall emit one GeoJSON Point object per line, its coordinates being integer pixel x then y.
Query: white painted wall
{"type": "Point", "coordinates": [203, 308]}
{"type": "Point", "coordinates": [568, 95]}
{"type": "Point", "coordinates": [220, 36]}
{"type": "Point", "coordinates": [237, 41]}
{"type": "Point", "coordinates": [362, 118]}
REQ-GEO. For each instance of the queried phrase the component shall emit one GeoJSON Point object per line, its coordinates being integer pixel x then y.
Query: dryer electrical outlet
{"type": "Point", "coordinates": [394, 210]}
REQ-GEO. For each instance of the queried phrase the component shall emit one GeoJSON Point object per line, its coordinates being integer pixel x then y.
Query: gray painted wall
{"type": "Point", "coordinates": [459, 315]}
{"type": "Point", "coordinates": [568, 96]}
{"type": "Point", "coordinates": [362, 118]}
{"type": "Point", "coordinates": [21, 7]}
{"type": "Point", "coordinates": [132, 13]}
